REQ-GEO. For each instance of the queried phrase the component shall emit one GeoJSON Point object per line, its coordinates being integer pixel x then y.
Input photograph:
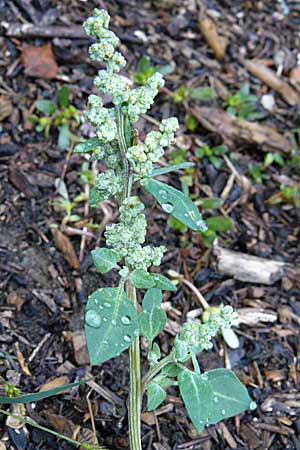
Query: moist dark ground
{"type": "Point", "coordinates": [43, 296]}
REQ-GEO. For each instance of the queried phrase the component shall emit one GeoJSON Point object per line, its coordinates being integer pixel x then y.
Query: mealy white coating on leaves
{"type": "Point", "coordinates": [109, 183]}
{"type": "Point", "coordinates": [127, 236]}
{"type": "Point", "coordinates": [197, 336]}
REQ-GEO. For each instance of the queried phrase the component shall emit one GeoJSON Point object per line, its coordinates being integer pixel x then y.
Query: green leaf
{"type": "Point", "coordinates": [216, 162]}
{"type": "Point", "coordinates": [210, 203]}
{"type": "Point", "coordinates": [155, 396]}
{"type": "Point", "coordinates": [163, 283]}
{"type": "Point", "coordinates": [152, 299]}
{"type": "Point", "coordinates": [27, 398]}
{"type": "Point", "coordinates": [46, 106]}
{"type": "Point", "coordinates": [87, 146]}
{"type": "Point", "coordinates": [94, 198]}
{"type": "Point", "coordinates": [205, 93]}
{"type": "Point", "coordinates": [152, 323]}
{"type": "Point", "coordinates": [175, 203]}
{"type": "Point", "coordinates": [176, 225]}
{"type": "Point", "coordinates": [172, 370]}
{"type": "Point", "coordinates": [141, 279]}
{"type": "Point", "coordinates": [63, 97]}
{"type": "Point", "coordinates": [163, 170]}
{"type": "Point", "coordinates": [208, 238]}
{"type": "Point", "coordinates": [111, 324]}
{"type": "Point", "coordinates": [104, 259]}
{"type": "Point", "coordinates": [219, 223]}
{"type": "Point", "coordinates": [230, 397]}
{"type": "Point", "coordinates": [197, 395]}
{"type": "Point", "coordinates": [64, 137]}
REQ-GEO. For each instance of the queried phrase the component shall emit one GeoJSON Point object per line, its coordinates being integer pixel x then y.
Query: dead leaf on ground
{"type": "Point", "coordinates": [53, 384]}
{"type": "Point", "coordinates": [64, 244]}
{"type": "Point", "coordinates": [39, 62]}
{"type": "Point", "coordinates": [6, 107]}
{"type": "Point", "coordinates": [216, 42]}
{"type": "Point", "coordinates": [60, 423]}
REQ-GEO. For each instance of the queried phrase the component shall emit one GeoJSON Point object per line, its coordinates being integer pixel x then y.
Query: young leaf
{"type": "Point", "coordinates": [104, 259]}
{"type": "Point", "coordinates": [111, 323]}
{"type": "Point", "coordinates": [28, 398]}
{"type": "Point", "coordinates": [163, 170]}
{"type": "Point", "coordinates": [175, 203]}
{"type": "Point", "coordinates": [87, 146]}
{"type": "Point", "coordinates": [163, 283]}
{"type": "Point", "coordinates": [197, 395]}
{"type": "Point", "coordinates": [219, 223]}
{"type": "Point", "coordinates": [152, 299]}
{"type": "Point", "coordinates": [64, 137]}
{"type": "Point", "coordinates": [94, 198]}
{"type": "Point", "coordinates": [46, 106]}
{"type": "Point", "coordinates": [230, 397]}
{"type": "Point", "coordinates": [141, 279]}
{"type": "Point", "coordinates": [152, 323]}
{"type": "Point", "coordinates": [63, 97]}
{"type": "Point", "coordinates": [210, 203]}
{"type": "Point", "coordinates": [155, 396]}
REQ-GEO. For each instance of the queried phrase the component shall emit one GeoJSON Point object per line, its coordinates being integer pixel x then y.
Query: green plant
{"type": "Point", "coordinates": [243, 105]}
{"type": "Point", "coordinates": [146, 70]}
{"type": "Point", "coordinates": [212, 154]}
{"type": "Point", "coordinates": [113, 321]}
{"type": "Point", "coordinates": [201, 94]}
{"type": "Point", "coordinates": [60, 114]}
{"type": "Point", "coordinates": [257, 170]}
{"type": "Point", "coordinates": [287, 194]}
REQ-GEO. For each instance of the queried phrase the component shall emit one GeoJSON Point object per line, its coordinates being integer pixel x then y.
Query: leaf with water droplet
{"type": "Point", "coordinates": [163, 283]}
{"type": "Point", "coordinates": [112, 335]}
{"type": "Point", "coordinates": [152, 323]}
{"type": "Point", "coordinates": [152, 299]}
{"type": "Point", "coordinates": [162, 170]}
{"type": "Point", "coordinates": [179, 205]}
{"type": "Point", "coordinates": [197, 395]}
{"type": "Point", "coordinates": [141, 279]}
{"type": "Point", "coordinates": [233, 397]}
{"type": "Point", "coordinates": [105, 259]}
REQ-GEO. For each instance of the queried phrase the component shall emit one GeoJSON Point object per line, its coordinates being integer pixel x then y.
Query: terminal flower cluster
{"type": "Point", "coordinates": [127, 236]}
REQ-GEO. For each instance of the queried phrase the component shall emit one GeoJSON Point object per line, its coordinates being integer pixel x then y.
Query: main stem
{"type": "Point", "coordinates": [134, 403]}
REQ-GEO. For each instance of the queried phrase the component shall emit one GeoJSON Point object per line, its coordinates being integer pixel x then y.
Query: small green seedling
{"type": "Point", "coordinates": [287, 194]}
{"type": "Point", "coordinates": [243, 105]}
{"type": "Point", "coordinates": [61, 115]}
{"type": "Point", "coordinates": [113, 320]}
{"type": "Point", "coordinates": [258, 170]}
{"type": "Point", "coordinates": [186, 93]}
{"type": "Point", "coordinates": [212, 154]}
{"type": "Point", "coordinates": [146, 70]}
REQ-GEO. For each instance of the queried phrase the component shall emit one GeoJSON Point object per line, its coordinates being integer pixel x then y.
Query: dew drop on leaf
{"type": "Point", "coordinates": [114, 322]}
{"type": "Point", "coordinates": [93, 319]}
{"type": "Point", "coordinates": [104, 319]}
{"type": "Point", "coordinates": [127, 338]}
{"type": "Point", "coordinates": [223, 412]}
{"type": "Point", "coordinates": [168, 207]}
{"type": "Point", "coordinates": [136, 333]}
{"type": "Point", "coordinates": [252, 406]}
{"type": "Point", "coordinates": [125, 320]}
{"type": "Point", "coordinates": [216, 399]}
{"type": "Point", "coordinates": [100, 306]}
{"type": "Point", "coordinates": [163, 193]}
{"type": "Point", "coordinates": [107, 305]}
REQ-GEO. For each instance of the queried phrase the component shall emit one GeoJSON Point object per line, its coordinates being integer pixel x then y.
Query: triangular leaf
{"type": "Point", "coordinates": [87, 146]}
{"type": "Point", "coordinates": [155, 396]}
{"type": "Point", "coordinates": [111, 323]}
{"type": "Point", "coordinates": [230, 397]}
{"type": "Point", "coordinates": [104, 259]}
{"type": "Point", "coordinates": [141, 279]}
{"type": "Point", "coordinates": [152, 299]}
{"type": "Point", "coordinates": [197, 396]}
{"type": "Point", "coordinates": [152, 323]}
{"type": "Point", "coordinates": [175, 203]}
{"type": "Point", "coordinates": [163, 283]}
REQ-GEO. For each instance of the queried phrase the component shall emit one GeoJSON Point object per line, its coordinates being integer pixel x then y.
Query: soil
{"type": "Point", "coordinates": [46, 268]}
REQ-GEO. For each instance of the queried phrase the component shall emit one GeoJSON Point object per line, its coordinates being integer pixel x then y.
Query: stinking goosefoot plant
{"type": "Point", "coordinates": [113, 320]}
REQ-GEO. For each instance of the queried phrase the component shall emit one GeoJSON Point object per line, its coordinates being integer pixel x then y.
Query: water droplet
{"type": "Point", "coordinates": [125, 320]}
{"type": "Point", "coordinates": [168, 207]}
{"type": "Point", "coordinates": [136, 332]}
{"type": "Point", "coordinates": [114, 322]}
{"type": "Point", "coordinates": [163, 193]}
{"type": "Point", "coordinates": [186, 215]}
{"type": "Point", "coordinates": [107, 305]}
{"type": "Point", "coordinates": [104, 342]}
{"type": "Point", "coordinates": [96, 301]}
{"type": "Point", "coordinates": [100, 306]}
{"type": "Point", "coordinates": [252, 406]}
{"type": "Point", "coordinates": [201, 422]}
{"type": "Point", "coordinates": [204, 377]}
{"type": "Point", "coordinates": [93, 319]}
{"type": "Point", "coordinates": [216, 399]}
{"type": "Point", "coordinates": [223, 412]}
{"type": "Point", "coordinates": [104, 319]}
{"type": "Point", "coordinates": [127, 338]}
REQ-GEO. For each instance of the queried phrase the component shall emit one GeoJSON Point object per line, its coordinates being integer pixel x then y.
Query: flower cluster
{"type": "Point", "coordinates": [197, 336]}
{"type": "Point", "coordinates": [108, 184]}
{"type": "Point", "coordinates": [127, 236]}
{"type": "Point", "coordinates": [142, 156]}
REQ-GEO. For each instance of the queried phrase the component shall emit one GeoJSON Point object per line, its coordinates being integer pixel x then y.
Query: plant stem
{"type": "Point", "coordinates": [134, 404]}
{"type": "Point", "coordinates": [157, 368]}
